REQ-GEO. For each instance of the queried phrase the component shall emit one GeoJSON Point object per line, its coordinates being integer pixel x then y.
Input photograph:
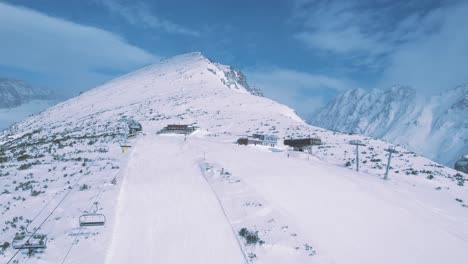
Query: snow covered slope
{"type": "Point", "coordinates": [436, 127]}
{"type": "Point", "coordinates": [204, 199]}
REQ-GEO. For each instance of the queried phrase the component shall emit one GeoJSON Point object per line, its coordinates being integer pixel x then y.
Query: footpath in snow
{"type": "Point", "coordinates": [167, 213]}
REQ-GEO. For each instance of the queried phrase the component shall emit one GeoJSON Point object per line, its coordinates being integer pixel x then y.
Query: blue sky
{"type": "Point", "coordinates": [299, 52]}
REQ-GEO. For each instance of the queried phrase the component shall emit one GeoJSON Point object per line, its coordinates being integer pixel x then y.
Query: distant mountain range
{"type": "Point", "coordinates": [16, 92]}
{"type": "Point", "coordinates": [435, 126]}
{"type": "Point", "coordinates": [18, 99]}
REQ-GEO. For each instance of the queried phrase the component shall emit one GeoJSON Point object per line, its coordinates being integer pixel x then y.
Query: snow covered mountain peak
{"type": "Point", "coordinates": [185, 58]}
{"type": "Point", "coordinates": [193, 68]}
{"type": "Point", "coordinates": [434, 126]}
{"type": "Point", "coordinates": [229, 76]}
{"type": "Point", "coordinates": [183, 83]}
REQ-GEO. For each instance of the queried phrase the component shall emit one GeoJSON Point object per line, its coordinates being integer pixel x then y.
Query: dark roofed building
{"type": "Point", "coordinates": [249, 141]}
{"type": "Point", "coordinates": [302, 144]}
{"type": "Point", "coordinates": [177, 129]}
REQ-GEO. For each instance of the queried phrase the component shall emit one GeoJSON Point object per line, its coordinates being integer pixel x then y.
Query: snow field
{"type": "Point", "coordinates": [350, 217]}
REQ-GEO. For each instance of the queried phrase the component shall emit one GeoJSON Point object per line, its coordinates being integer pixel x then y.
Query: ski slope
{"type": "Point", "coordinates": [350, 217]}
{"type": "Point", "coordinates": [167, 213]}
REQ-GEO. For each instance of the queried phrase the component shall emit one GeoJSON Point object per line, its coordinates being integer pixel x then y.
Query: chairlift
{"type": "Point", "coordinates": [34, 242]}
{"type": "Point", "coordinates": [93, 218]}
{"type": "Point", "coordinates": [125, 144]}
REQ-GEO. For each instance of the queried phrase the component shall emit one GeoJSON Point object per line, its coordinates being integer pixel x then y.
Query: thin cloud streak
{"type": "Point", "coordinates": [138, 14]}
{"type": "Point", "coordinates": [418, 43]}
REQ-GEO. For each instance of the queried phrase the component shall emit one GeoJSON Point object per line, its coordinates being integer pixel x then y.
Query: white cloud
{"type": "Point", "coordinates": [138, 14]}
{"type": "Point", "coordinates": [338, 27]}
{"type": "Point", "coordinates": [436, 61]}
{"type": "Point", "coordinates": [302, 91]}
{"type": "Point", "coordinates": [69, 54]}
{"type": "Point", "coordinates": [421, 44]}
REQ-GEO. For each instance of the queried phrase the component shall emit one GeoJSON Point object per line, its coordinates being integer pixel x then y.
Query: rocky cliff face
{"type": "Point", "coordinates": [462, 164]}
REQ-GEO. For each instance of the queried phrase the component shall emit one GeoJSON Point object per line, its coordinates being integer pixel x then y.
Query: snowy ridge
{"type": "Point", "coordinates": [161, 208]}
{"type": "Point", "coordinates": [436, 127]}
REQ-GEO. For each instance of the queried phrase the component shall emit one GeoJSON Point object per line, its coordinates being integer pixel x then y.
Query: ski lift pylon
{"type": "Point", "coordinates": [93, 218]}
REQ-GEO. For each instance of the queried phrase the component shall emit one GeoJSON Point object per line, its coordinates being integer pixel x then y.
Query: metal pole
{"type": "Point", "coordinates": [390, 152]}
{"type": "Point", "coordinates": [388, 164]}
{"type": "Point", "coordinates": [357, 157]}
{"type": "Point", "coordinates": [357, 143]}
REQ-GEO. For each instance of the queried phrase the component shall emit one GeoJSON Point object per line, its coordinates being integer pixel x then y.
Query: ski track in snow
{"type": "Point", "coordinates": [167, 213]}
{"type": "Point", "coordinates": [280, 241]}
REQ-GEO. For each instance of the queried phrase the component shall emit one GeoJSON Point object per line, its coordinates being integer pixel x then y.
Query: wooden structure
{"type": "Point", "coordinates": [302, 144]}
{"type": "Point", "coordinates": [177, 129]}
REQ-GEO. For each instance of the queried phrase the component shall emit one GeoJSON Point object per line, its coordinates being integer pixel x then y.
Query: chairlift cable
{"type": "Point", "coordinates": [43, 208]}
{"type": "Point", "coordinates": [81, 227]}
{"type": "Point", "coordinates": [53, 210]}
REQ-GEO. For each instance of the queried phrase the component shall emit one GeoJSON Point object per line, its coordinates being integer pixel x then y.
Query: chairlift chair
{"type": "Point", "coordinates": [37, 241]}
{"type": "Point", "coordinates": [125, 144]}
{"type": "Point", "coordinates": [93, 218]}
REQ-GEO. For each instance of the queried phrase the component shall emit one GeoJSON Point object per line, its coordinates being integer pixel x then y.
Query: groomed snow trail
{"type": "Point", "coordinates": [167, 213]}
{"type": "Point", "coordinates": [348, 217]}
